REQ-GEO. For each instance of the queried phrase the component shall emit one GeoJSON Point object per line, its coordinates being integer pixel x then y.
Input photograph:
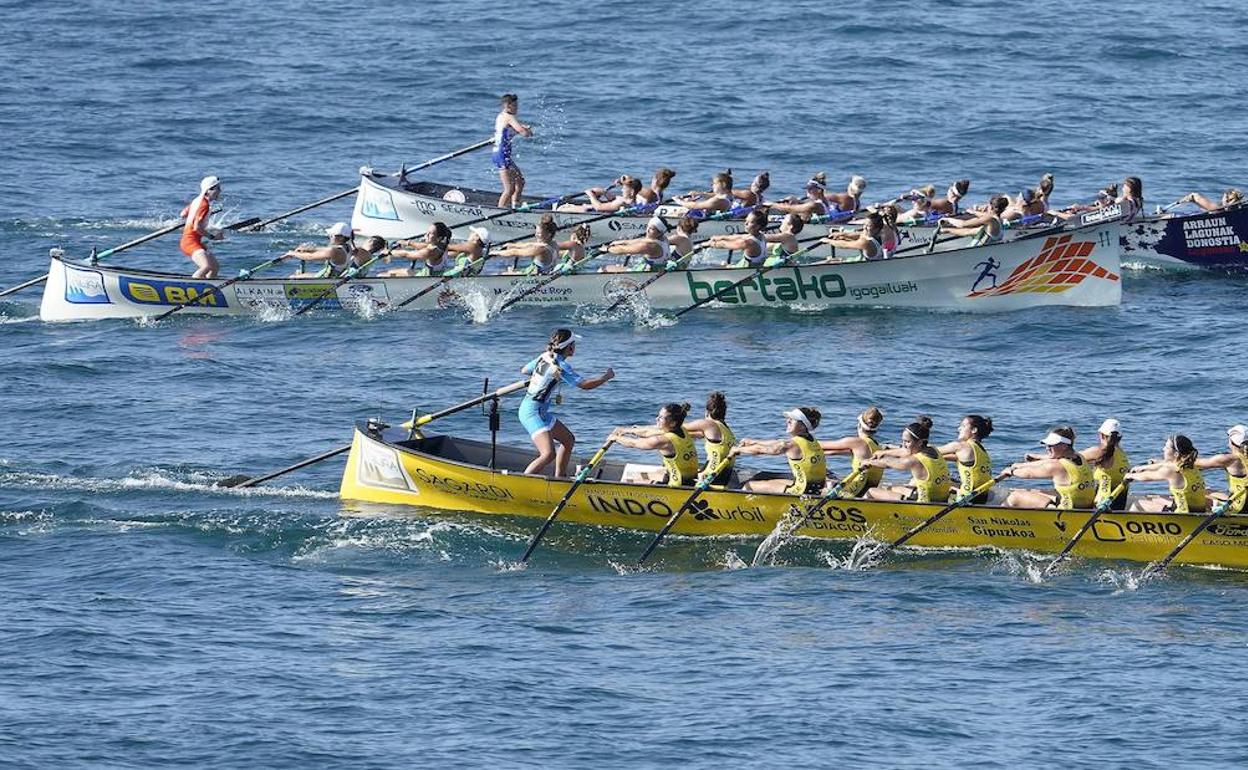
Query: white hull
{"type": "Point", "coordinates": [1078, 268]}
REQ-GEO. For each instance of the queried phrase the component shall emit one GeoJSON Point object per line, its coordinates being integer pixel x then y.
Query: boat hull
{"type": "Point", "coordinates": [441, 473]}
{"type": "Point", "coordinates": [1217, 240]}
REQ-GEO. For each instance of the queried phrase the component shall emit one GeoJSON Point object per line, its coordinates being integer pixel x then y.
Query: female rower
{"type": "Point", "coordinates": [673, 443]}
{"type": "Point", "coordinates": [1044, 191]}
{"type": "Point", "coordinates": [1027, 204]}
{"type": "Point", "coordinates": [1132, 198]}
{"type": "Point", "coordinates": [573, 249]}
{"type": "Point", "coordinates": [1073, 484]}
{"type": "Point", "coordinates": [890, 236]}
{"type": "Point", "coordinates": [929, 473]}
{"type": "Point", "coordinates": [949, 205]}
{"type": "Point", "coordinates": [800, 448]}
{"type": "Point", "coordinates": [362, 255]}
{"type": "Point", "coordinates": [974, 464]}
{"type": "Point", "coordinates": [1230, 199]}
{"type": "Point", "coordinates": [196, 228]}
{"type": "Point", "coordinates": [920, 209]}
{"type": "Point", "coordinates": [717, 437]}
{"type": "Point", "coordinates": [472, 253]}
{"type": "Point", "coordinates": [816, 203]}
{"type": "Point", "coordinates": [752, 243]}
{"type": "Point", "coordinates": [753, 195]}
{"type": "Point", "coordinates": [860, 447]}
{"type": "Point", "coordinates": [628, 198]}
{"type": "Point", "coordinates": [653, 248]}
{"type": "Point", "coordinates": [1235, 463]}
{"type": "Point", "coordinates": [851, 199]}
{"type": "Point", "coordinates": [336, 255]}
{"type": "Point", "coordinates": [658, 186]}
{"type": "Point", "coordinates": [681, 240]}
{"type": "Point", "coordinates": [544, 251]}
{"type": "Point", "coordinates": [986, 226]}
{"type": "Point", "coordinates": [547, 373]}
{"type": "Point", "coordinates": [432, 253]}
{"type": "Point", "coordinates": [784, 243]}
{"type": "Point", "coordinates": [1178, 468]}
{"type": "Point", "coordinates": [720, 199]}
{"type": "Point", "coordinates": [506, 126]}
{"type": "Point", "coordinates": [866, 241]}
{"type": "Point", "coordinates": [1109, 465]}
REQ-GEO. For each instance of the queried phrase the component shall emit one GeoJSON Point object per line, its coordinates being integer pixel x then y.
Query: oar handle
{"type": "Point", "coordinates": [581, 477]}
{"type": "Point", "coordinates": [428, 418]}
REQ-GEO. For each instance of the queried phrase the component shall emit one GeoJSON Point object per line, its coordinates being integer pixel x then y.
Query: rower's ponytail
{"type": "Point", "coordinates": [921, 428]}
{"type": "Point", "coordinates": [676, 413]}
{"type": "Point", "coordinates": [581, 233]}
{"type": "Point", "coordinates": [441, 233]}
{"type": "Point", "coordinates": [1106, 460]}
{"type": "Point", "coordinates": [812, 414]}
{"type": "Point", "coordinates": [795, 223]}
{"type": "Point", "coordinates": [547, 225]}
{"type": "Point", "coordinates": [717, 405]}
{"type": "Point", "coordinates": [981, 425]}
{"type": "Point", "coordinates": [870, 419]}
{"type": "Point", "coordinates": [1186, 451]}
{"type": "Point", "coordinates": [764, 182]}
{"type": "Point", "coordinates": [687, 225]}
{"type": "Point", "coordinates": [557, 340]}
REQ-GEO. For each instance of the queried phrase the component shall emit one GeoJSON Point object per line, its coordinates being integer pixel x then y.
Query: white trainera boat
{"type": "Point", "coordinates": [1074, 267]}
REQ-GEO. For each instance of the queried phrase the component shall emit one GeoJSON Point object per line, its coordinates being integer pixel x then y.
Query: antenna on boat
{"type": "Point", "coordinates": [496, 422]}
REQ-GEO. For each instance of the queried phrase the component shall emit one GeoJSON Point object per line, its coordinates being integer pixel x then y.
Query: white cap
{"type": "Point", "coordinates": [797, 415]}
{"type": "Point", "coordinates": [568, 342]}
{"type": "Point", "coordinates": [657, 224]}
{"type": "Point", "coordinates": [857, 184]}
{"type": "Point", "coordinates": [339, 229]}
{"type": "Point", "coordinates": [1238, 434]}
{"type": "Point", "coordinates": [481, 233]}
{"type": "Point", "coordinates": [1110, 426]}
{"type": "Point", "coordinates": [1054, 439]}
{"type": "Point", "coordinates": [208, 182]}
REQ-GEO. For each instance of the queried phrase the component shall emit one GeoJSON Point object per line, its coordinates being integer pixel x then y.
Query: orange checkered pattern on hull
{"type": "Point", "coordinates": [1061, 264]}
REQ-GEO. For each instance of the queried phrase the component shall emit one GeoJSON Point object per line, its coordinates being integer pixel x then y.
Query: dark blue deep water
{"type": "Point", "coordinates": [149, 619]}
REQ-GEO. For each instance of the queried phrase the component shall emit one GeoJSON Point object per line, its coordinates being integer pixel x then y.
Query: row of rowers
{"type": "Point", "coordinates": [1080, 478]}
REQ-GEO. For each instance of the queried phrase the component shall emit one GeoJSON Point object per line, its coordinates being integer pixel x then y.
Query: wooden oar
{"type": "Point", "coordinates": [703, 484]}
{"type": "Point", "coordinates": [935, 517]}
{"type": "Point", "coordinates": [347, 275]}
{"type": "Point", "coordinates": [128, 245]}
{"type": "Point", "coordinates": [1217, 511]}
{"type": "Point", "coordinates": [1104, 507]}
{"type": "Point", "coordinates": [769, 546]}
{"type": "Point", "coordinates": [581, 476]}
{"type": "Point", "coordinates": [214, 290]}
{"type": "Point", "coordinates": [244, 481]}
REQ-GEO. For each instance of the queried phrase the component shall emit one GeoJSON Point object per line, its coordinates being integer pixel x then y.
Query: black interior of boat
{"type": "Point", "coordinates": [471, 196]}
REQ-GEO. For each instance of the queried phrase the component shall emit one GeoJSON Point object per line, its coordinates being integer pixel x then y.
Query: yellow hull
{"type": "Point", "coordinates": [386, 471]}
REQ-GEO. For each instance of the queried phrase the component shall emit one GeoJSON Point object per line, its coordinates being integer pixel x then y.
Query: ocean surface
{"type": "Point", "coordinates": [148, 618]}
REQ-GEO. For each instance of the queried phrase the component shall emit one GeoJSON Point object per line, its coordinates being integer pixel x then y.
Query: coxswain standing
{"type": "Point", "coordinates": [196, 229]}
{"type": "Point", "coordinates": [506, 126]}
{"type": "Point", "coordinates": [547, 374]}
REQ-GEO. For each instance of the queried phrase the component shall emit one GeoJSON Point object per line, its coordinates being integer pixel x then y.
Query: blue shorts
{"type": "Point", "coordinates": [501, 158]}
{"type": "Point", "coordinates": [535, 416]}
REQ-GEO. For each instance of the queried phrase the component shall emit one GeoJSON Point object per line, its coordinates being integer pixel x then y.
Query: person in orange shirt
{"type": "Point", "coordinates": [196, 229]}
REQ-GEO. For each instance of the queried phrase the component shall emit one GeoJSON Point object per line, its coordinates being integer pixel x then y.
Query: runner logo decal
{"type": "Point", "coordinates": [1061, 264]}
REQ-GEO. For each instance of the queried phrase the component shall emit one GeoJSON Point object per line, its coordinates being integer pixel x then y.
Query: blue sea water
{"type": "Point", "coordinates": [147, 618]}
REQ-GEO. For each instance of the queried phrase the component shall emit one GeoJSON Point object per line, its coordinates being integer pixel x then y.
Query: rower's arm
{"type": "Point", "coordinates": [521, 250]}
{"type": "Point", "coordinates": [323, 254]}
{"type": "Point", "coordinates": [840, 446]}
{"type": "Point", "coordinates": [1203, 202]}
{"type": "Point", "coordinates": [1215, 462]}
{"type": "Point", "coordinates": [646, 442]}
{"type": "Point", "coordinates": [1034, 469]}
{"type": "Point", "coordinates": [752, 446]}
{"type": "Point", "coordinates": [890, 463]}
{"type": "Point", "coordinates": [697, 428]}
{"type": "Point", "coordinates": [1161, 472]}
{"type": "Point", "coordinates": [634, 246]}
{"type": "Point", "coordinates": [730, 242]}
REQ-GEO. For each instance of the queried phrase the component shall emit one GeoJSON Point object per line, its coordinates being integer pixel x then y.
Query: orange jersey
{"type": "Point", "coordinates": [195, 213]}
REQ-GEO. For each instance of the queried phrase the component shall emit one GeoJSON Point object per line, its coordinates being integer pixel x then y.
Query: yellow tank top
{"type": "Point", "coordinates": [718, 450]}
{"type": "Point", "coordinates": [978, 473]}
{"type": "Point", "coordinates": [1190, 497]}
{"type": "Point", "coordinates": [935, 488]}
{"type": "Point", "coordinates": [809, 469]}
{"type": "Point", "coordinates": [1080, 489]}
{"type": "Point", "coordinates": [866, 480]}
{"type": "Point", "coordinates": [1108, 479]}
{"type": "Point", "coordinates": [1236, 485]}
{"type": "Point", "coordinates": [682, 466]}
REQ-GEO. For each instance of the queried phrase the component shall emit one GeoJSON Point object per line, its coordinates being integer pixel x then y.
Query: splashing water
{"type": "Point", "coordinates": [732, 561]}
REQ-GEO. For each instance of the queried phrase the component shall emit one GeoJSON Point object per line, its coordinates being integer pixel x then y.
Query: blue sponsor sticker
{"type": "Point", "coordinates": [150, 291]}
{"type": "Point", "coordinates": [85, 287]}
{"type": "Point", "coordinates": [377, 204]}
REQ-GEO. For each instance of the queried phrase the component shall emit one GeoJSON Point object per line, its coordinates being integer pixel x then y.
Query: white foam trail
{"type": "Point", "coordinates": [733, 561]}
{"type": "Point", "coordinates": [151, 480]}
{"type": "Point", "coordinates": [5, 319]}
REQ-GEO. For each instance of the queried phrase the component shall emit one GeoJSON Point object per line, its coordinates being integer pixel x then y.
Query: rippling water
{"type": "Point", "coordinates": [149, 618]}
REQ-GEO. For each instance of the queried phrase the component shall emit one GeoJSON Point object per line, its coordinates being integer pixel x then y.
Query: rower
{"type": "Point", "coordinates": [890, 236]}
{"type": "Point", "coordinates": [920, 208]}
{"type": "Point", "coordinates": [1178, 468]}
{"type": "Point", "coordinates": [717, 437]}
{"type": "Point", "coordinates": [851, 199]}
{"type": "Point", "coordinates": [363, 255]}
{"type": "Point", "coordinates": [573, 249]}
{"type": "Point", "coordinates": [816, 203]}
{"type": "Point", "coordinates": [974, 464]}
{"type": "Point", "coordinates": [719, 201]}
{"type": "Point", "coordinates": [1132, 198]}
{"type": "Point", "coordinates": [432, 252]}
{"type": "Point", "coordinates": [752, 243]}
{"type": "Point", "coordinates": [929, 473]}
{"type": "Point", "coordinates": [800, 448]}
{"type": "Point", "coordinates": [681, 241]}
{"type": "Point", "coordinates": [658, 186]}
{"type": "Point", "coordinates": [1073, 484]}
{"type": "Point", "coordinates": [196, 228]}
{"type": "Point", "coordinates": [1235, 462]}
{"type": "Point", "coordinates": [1028, 204]}
{"type": "Point", "coordinates": [1104, 197]}
{"type": "Point", "coordinates": [865, 241]}
{"type": "Point", "coordinates": [860, 447]}
{"type": "Point", "coordinates": [1044, 191]}
{"type": "Point", "coordinates": [986, 226]}
{"type": "Point", "coordinates": [1231, 198]}
{"type": "Point", "coordinates": [506, 126]}
{"type": "Point", "coordinates": [653, 247]}
{"type": "Point", "coordinates": [472, 253]}
{"type": "Point", "coordinates": [1109, 464]}
{"type": "Point", "coordinates": [547, 374]}
{"type": "Point", "coordinates": [752, 196]}
{"type": "Point", "coordinates": [630, 187]}
{"type": "Point", "coordinates": [784, 243]}
{"type": "Point", "coordinates": [336, 255]}
{"type": "Point", "coordinates": [544, 251]}
{"type": "Point", "coordinates": [673, 443]}
{"type": "Point", "coordinates": [948, 205]}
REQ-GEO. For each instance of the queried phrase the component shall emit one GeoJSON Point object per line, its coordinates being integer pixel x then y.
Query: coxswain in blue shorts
{"type": "Point", "coordinates": [506, 126]}
{"type": "Point", "coordinates": [547, 374]}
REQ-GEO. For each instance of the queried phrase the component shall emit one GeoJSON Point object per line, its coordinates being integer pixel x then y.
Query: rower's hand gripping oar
{"type": "Point", "coordinates": [216, 289]}
{"type": "Point", "coordinates": [884, 550]}
{"type": "Point", "coordinates": [351, 272]}
{"type": "Point", "coordinates": [703, 484]}
{"type": "Point", "coordinates": [1217, 511]}
{"type": "Point", "coordinates": [454, 272]}
{"type": "Point", "coordinates": [581, 477]}
{"type": "Point", "coordinates": [1103, 507]}
{"type": "Point", "coordinates": [425, 419]}
{"type": "Point", "coordinates": [770, 545]}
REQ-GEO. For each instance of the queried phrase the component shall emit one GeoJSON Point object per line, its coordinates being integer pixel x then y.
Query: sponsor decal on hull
{"type": "Point", "coordinates": [85, 287]}
{"type": "Point", "coordinates": [380, 467]}
{"type": "Point", "coordinates": [150, 291]}
{"type": "Point", "coordinates": [1061, 264]}
{"type": "Point", "coordinates": [376, 203]}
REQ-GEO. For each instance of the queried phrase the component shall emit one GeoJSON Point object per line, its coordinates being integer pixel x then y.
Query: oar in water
{"type": "Point", "coordinates": [446, 277]}
{"type": "Point", "coordinates": [245, 481]}
{"type": "Point", "coordinates": [884, 550]}
{"type": "Point", "coordinates": [216, 290]}
{"type": "Point", "coordinates": [703, 484]}
{"type": "Point", "coordinates": [1217, 511]}
{"type": "Point", "coordinates": [1104, 507]}
{"type": "Point", "coordinates": [772, 542]}
{"type": "Point", "coordinates": [581, 477]}
{"type": "Point", "coordinates": [128, 245]}
{"type": "Point", "coordinates": [347, 275]}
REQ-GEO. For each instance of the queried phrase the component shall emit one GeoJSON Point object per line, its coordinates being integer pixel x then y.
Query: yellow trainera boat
{"type": "Point", "coordinates": [450, 473]}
